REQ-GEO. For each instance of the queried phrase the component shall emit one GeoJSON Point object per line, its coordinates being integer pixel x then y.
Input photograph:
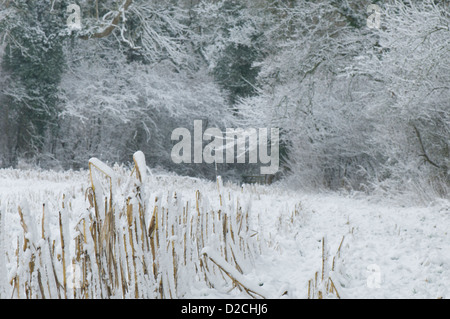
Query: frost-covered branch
{"type": "Point", "coordinates": [106, 31]}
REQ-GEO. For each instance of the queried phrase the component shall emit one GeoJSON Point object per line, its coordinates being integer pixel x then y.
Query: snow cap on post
{"type": "Point", "coordinates": [141, 166]}
{"type": "Point", "coordinates": [105, 169]}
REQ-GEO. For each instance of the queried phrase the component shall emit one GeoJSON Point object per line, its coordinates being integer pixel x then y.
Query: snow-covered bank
{"type": "Point", "coordinates": [387, 251]}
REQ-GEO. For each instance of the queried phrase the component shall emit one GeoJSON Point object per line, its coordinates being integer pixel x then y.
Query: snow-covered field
{"type": "Point", "coordinates": [373, 248]}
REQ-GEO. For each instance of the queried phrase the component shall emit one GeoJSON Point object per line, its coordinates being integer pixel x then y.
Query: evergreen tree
{"type": "Point", "coordinates": [35, 33]}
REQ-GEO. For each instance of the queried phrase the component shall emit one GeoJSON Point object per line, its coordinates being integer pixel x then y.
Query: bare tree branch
{"type": "Point", "coordinates": [424, 153]}
{"type": "Point", "coordinates": [109, 29]}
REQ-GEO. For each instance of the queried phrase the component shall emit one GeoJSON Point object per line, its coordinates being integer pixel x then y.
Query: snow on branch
{"type": "Point", "coordinates": [112, 25]}
{"type": "Point", "coordinates": [250, 288]}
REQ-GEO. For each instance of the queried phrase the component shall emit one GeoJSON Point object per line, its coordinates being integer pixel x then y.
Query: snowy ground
{"type": "Point", "coordinates": [389, 250]}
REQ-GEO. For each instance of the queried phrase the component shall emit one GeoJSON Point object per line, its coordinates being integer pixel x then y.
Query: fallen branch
{"type": "Point", "coordinates": [234, 275]}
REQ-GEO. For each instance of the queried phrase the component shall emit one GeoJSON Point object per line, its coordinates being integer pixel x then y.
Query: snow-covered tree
{"type": "Point", "coordinates": [114, 107]}
{"type": "Point", "coordinates": [304, 90]}
{"type": "Point", "coordinates": [412, 111]}
{"type": "Point", "coordinates": [358, 106]}
{"type": "Point", "coordinates": [33, 36]}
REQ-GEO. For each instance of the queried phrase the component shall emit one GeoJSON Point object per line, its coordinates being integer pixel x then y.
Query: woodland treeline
{"type": "Point", "coordinates": [358, 107]}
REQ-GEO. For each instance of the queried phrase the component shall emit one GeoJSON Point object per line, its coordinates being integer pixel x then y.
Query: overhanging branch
{"type": "Point", "coordinates": [109, 29]}
{"type": "Point", "coordinates": [424, 153]}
